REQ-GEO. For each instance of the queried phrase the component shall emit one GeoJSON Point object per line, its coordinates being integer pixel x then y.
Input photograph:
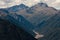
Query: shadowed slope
{"type": "Point", "coordinates": [9, 31]}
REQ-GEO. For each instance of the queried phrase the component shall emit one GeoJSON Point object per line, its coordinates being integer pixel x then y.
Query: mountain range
{"type": "Point", "coordinates": [40, 17]}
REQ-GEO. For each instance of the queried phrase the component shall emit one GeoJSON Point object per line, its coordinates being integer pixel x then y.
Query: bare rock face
{"type": "Point", "coordinates": [9, 31]}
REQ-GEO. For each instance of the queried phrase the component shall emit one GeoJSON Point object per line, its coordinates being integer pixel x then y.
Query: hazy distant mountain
{"type": "Point", "coordinates": [45, 18]}
{"type": "Point", "coordinates": [38, 12]}
{"type": "Point", "coordinates": [40, 17]}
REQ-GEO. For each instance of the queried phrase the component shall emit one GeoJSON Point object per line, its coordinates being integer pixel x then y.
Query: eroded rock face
{"type": "Point", "coordinates": [9, 31]}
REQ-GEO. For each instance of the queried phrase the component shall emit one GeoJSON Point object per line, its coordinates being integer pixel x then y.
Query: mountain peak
{"type": "Point", "coordinates": [17, 7]}
{"type": "Point", "coordinates": [23, 6]}
{"type": "Point", "coordinates": [43, 4]}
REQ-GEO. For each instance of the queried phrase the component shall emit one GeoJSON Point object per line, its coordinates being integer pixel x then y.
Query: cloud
{"type": "Point", "coordinates": [9, 3]}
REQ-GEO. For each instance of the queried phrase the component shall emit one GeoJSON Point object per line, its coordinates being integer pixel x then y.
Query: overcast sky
{"type": "Point", "coordinates": [9, 3]}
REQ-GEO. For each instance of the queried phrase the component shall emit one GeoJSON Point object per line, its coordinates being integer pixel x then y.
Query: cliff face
{"type": "Point", "coordinates": [9, 31]}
